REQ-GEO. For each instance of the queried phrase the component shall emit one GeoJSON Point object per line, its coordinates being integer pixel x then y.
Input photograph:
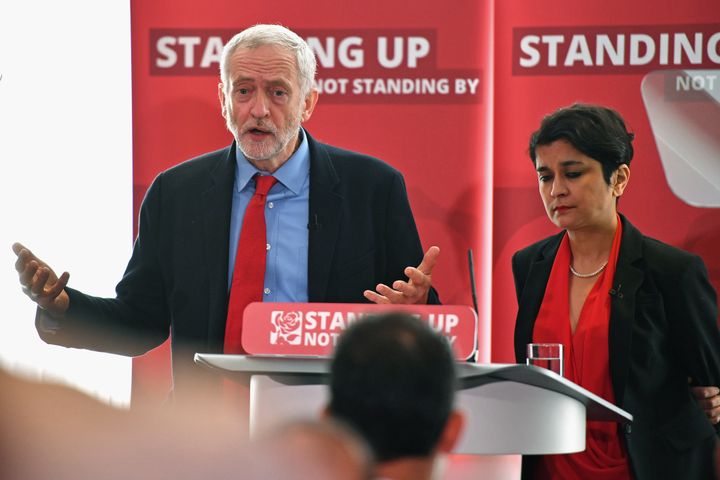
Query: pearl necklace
{"type": "Point", "coordinates": [588, 275]}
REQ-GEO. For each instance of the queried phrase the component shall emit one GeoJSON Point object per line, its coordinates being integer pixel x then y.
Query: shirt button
{"type": "Point", "coordinates": [270, 205]}
{"type": "Point", "coordinates": [267, 246]}
{"type": "Point", "coordinates": [266, 291]}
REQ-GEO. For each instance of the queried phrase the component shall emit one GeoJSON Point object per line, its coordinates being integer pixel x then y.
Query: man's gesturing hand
{"type": "Point", "coordinates": [40, 283]}
{"type": "Point", "coordinates": [415, 290]}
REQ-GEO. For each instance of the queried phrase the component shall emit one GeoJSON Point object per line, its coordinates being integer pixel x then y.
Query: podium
{"type": "Point", "coordinates": [509, 408]}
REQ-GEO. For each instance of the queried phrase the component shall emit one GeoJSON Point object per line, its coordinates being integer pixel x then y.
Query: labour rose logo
{"type": "Point", "coordinates": [288, 328]}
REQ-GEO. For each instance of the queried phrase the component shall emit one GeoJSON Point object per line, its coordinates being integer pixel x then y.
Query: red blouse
{"type": "Point", "coordinates": [586, 361]}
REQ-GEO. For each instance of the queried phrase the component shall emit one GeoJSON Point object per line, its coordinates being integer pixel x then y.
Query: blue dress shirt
{"type": "Point", "coordinates": [286, 220]}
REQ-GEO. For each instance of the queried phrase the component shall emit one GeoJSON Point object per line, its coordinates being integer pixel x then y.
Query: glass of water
{"type": "Point", "coordinates": [546, 355]}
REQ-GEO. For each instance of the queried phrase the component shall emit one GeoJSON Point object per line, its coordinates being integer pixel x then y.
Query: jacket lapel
{"type": "Point", "coordinates": [533, 293]}
{"type": "Point", "coordinates": [216, 207]}
{"type": "Point", "coordinates": [324, 223]}
{"type": "Point", "coordinates": [628, 279]}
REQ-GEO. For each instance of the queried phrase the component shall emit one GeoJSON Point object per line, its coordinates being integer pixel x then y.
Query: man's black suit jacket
{"type": "Point", "coordinates": [361, 233]}
{"type": "Point", "coordinates": [663, 329]}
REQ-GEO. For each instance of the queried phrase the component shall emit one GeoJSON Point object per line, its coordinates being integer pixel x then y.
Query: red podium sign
{"type": "Point", "coordinates": [312, 329]}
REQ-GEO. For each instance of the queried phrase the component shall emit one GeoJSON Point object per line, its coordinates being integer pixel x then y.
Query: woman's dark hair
{"type": "Point", "coordinates": [596, 131]}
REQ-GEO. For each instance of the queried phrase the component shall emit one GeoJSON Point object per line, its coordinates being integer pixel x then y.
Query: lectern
{"type": "Point", "coordinates": [510, 409]}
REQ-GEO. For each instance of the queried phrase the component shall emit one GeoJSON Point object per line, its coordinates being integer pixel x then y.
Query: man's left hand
{"type": "Point", "coordinates": [415, 290]}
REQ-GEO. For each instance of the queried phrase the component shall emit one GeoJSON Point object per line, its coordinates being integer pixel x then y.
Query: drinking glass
{"type": "Point", "coordinates": [546, 355]}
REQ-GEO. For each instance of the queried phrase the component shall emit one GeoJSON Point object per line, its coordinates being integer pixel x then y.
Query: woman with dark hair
{"type": "Point", "coordinates": [637, 317]}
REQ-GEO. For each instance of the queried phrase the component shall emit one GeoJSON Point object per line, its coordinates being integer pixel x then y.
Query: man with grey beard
{"type": "Point", "coordinates": [337, 225]}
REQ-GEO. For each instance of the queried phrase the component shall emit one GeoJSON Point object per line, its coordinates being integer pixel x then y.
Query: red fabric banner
{"type": "Point", "coordinates": [396, 82]}
{"type": "Point", "coordinates": [438, 95]}
{"type": "Point", "coordinates": [547, 57]}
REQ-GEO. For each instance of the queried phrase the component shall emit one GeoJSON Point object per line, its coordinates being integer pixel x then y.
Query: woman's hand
{"type": "Point", "coordinates": [709, 400]}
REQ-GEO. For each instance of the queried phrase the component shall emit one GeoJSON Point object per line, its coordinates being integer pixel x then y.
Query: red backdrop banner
{"type": "Point", "coordinates": [554, 53]}
{"type": "Point", "coordinates": [397, 82]}
{"type": "Point", "coordinates": [450, 97]}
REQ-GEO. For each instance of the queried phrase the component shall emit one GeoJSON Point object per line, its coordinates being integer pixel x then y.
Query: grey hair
{"type": "Point", "coordinates": [263, 34]}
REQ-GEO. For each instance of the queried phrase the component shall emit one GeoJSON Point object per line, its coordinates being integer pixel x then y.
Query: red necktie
{"type": "Point", "coordinates": [249, 272]}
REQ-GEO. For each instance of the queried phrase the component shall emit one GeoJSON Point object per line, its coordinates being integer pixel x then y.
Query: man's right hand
{"type": "Point", "coordinates": [40, 283]}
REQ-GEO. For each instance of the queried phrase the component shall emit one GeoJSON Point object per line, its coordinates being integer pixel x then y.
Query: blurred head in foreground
{"type": "Point", "coordinates": [52, 431]}
{"type": "Point", "coordinates": [311, 450]}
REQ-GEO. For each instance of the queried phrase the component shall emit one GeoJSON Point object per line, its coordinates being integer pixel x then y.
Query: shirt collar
{"type": "Point", "coordinates": [291, 174]}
